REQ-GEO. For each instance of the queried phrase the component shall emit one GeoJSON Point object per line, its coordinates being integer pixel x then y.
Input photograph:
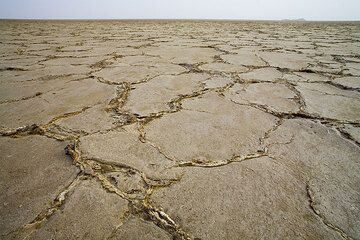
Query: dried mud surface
{"type": "Point", "coordinates": [179, 130]}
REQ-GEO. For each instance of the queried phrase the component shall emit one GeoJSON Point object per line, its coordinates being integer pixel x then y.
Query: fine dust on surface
{"type": "Point", "coordinates": [179, 130]}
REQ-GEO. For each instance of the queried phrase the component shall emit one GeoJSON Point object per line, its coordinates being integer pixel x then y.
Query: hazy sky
{"type": "Point", "coordinates": [184, 9]}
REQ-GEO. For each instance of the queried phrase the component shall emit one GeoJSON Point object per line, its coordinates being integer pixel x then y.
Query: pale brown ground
{"type": "Point", "coordinates": [179, 130]}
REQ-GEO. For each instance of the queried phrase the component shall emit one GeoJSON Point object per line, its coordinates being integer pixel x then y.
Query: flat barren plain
{"type": "Point", "coordinates": [179, 130]}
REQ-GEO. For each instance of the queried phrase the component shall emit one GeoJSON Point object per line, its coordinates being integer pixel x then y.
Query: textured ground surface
{"type": "Point", "coordinates": [179, 130]}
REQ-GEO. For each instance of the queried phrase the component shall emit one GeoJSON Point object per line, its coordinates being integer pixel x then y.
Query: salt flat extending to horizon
{"type": "Point", "coordinates": [170, 129]}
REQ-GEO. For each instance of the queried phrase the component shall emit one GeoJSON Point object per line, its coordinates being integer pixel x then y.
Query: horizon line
{"type": "Point", "coordinates": [174, 19]}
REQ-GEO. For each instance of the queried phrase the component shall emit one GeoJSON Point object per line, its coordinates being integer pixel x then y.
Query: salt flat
{"type": "Point", "coordinates": [179, 130]}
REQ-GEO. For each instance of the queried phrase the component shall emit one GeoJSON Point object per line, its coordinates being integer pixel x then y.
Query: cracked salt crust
{"type": "Point", "coordinates": [179, 130]}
